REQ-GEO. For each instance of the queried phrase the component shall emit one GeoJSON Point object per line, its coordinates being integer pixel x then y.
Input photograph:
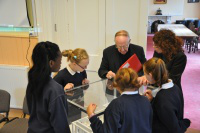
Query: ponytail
{"type": "Point", "coordinates": [76, 55]}
{"type": "Point", "coordinates": [39, 74]}
{"type": "Point", "coordinates": [157, 68]}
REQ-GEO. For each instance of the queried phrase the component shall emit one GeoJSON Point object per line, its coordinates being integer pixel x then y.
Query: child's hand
{"type": "Point", "coordinates": [68, 86]}
{"type": "Point", "coordinates": [142, 80]}
{"type": "Point", "coordinates": [91, 108]}
{"type": "Point", "coordinates": [70, 93]}
{"type": "Point", "coordinates": [85, 81]}
{"type": "Point", "coordinates": [148, 94]}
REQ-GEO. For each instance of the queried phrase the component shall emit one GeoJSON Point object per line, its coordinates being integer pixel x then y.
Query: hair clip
{"type": "Point", "coordinates": [75, 57]}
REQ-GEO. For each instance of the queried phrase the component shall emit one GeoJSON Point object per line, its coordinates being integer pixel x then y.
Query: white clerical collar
{"type": "Point", "coordinates": [70, 70]}
{"type": "Point", "coordinates": [129, 92]}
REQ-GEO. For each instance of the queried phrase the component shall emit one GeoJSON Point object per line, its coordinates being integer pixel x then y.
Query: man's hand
{"type": "Point", "coordinates": [142, 80]}
{"type": "Point", "coordinates": [109, 84]}
{"type": "Point", "coordinates": [110, 75]}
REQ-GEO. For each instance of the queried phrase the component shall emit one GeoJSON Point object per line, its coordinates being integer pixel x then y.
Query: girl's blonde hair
{"type": "Point", "coordinates": [157, 68]}
{"type": "Point", "coordinates": [76, 55]}
{"type": "Point", "coordinates": [126, 78]}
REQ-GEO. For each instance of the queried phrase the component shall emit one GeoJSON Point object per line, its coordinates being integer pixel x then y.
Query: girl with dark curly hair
{"type": "Point", "coordinates": [168, 47]}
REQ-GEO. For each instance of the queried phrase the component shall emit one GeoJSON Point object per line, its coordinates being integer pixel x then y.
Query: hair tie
{"type": "Point", "coordinates": [75, 57]}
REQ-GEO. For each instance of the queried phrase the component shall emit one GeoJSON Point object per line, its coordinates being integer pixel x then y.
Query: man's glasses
{"type": "Point", "coordinates": [80, 66]}
{"type": "Point", "coordinates": [124, 47]}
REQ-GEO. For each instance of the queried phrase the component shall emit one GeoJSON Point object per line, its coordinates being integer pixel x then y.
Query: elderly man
{"type": "Point", "coordinates": [115, 55]}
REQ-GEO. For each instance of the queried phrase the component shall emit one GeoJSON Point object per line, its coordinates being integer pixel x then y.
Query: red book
{"type": "Point", "coordinates": [133, 62]}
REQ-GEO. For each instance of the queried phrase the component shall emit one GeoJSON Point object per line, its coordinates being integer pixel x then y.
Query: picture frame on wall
{"type": "Point", "coordinates": [193, 1]}
{"type": "Point", "coordinates": [160, 1]}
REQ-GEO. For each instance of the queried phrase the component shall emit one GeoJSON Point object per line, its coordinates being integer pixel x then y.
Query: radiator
{"type": "Point", "coordinates": [14, 80]}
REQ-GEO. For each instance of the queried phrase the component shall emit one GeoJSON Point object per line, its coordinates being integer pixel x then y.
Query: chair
{"type": "Point", "coordinates": [192, 43]}
{"type": "Point", "coordinates": [154, 26]}
{"type": "Point", "coordinates": [181, 22]}
{"type": "Point", "coordinates": [188, 23]}
{"type": "Point", "coordinates": [197, 38]}
{"type": "Point", "coordinates": [17, 125]}
{"type": "Point", "coordinates": [197, 23]}
{"type": "Point", "coordinates": [195, 47]}
{"type": "Point", "coordinates": [4, 105]}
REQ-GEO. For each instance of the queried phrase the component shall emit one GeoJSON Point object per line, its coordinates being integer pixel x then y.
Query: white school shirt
{"type": "Point", "coordinates": [129, 92]}
{"type": "Point", "coordinates": [168, 85]}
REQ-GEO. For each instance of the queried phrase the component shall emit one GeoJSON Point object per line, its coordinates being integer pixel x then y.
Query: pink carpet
{"type": "Point", "coordinates": [190, 84]}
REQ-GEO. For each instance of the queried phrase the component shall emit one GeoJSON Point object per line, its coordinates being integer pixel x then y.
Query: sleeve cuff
{"type": "Point", "coordinates": [152, 100]}
{"type": "Point", "coordinates": [93, 118]}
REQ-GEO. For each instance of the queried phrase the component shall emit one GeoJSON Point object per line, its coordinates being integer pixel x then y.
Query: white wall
{"type": "Point", "coordinates": [190, 10]}
{"type": "Point", "coordinates": [91, 27]}
{"type": "Point", "coordinates": [130, 15]}
{"type": "Point", "coordinates": [44, 20]}
{"type": "Point", "coordinates": [179, 9]}
{"type": "Point", "coordinates": [172, 7]}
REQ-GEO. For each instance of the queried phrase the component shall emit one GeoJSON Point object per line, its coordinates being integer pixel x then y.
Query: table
{"type": "Point", "coordinates": [179, 29]}
{"type": "Point", "coordinates": [82, 96]}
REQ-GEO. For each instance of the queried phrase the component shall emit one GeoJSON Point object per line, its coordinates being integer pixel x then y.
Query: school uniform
{"type": "Point", "coordinates": [65, 76]}
{"type": "Point", "coordinates": [129, 113]}
{"type": "Point", "coordinates": [168, 110]}
{"type": "Point", "coordinates": [48, 114]}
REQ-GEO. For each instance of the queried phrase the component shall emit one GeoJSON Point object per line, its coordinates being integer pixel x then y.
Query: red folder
{"type": "Point", "coordinates": [133, 62]}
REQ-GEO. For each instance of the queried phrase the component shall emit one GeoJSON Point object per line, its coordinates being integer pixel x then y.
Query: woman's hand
{"type": "Point", "coordinates": [90, 109]}
{"type": "Point", "coordinates": [148, 94]}
{"type": "Point", "coordinates": [85, 81]}
{"type": "Point", "coordinates": [68, 86]}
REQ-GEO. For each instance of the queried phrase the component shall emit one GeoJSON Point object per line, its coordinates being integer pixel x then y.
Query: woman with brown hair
{"type": "Point", "coordinates": [168, 47]}
{"type": "Point", "coordinates": [167, 104]}
{"type": "Point", "coordinates": [128, 113]}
